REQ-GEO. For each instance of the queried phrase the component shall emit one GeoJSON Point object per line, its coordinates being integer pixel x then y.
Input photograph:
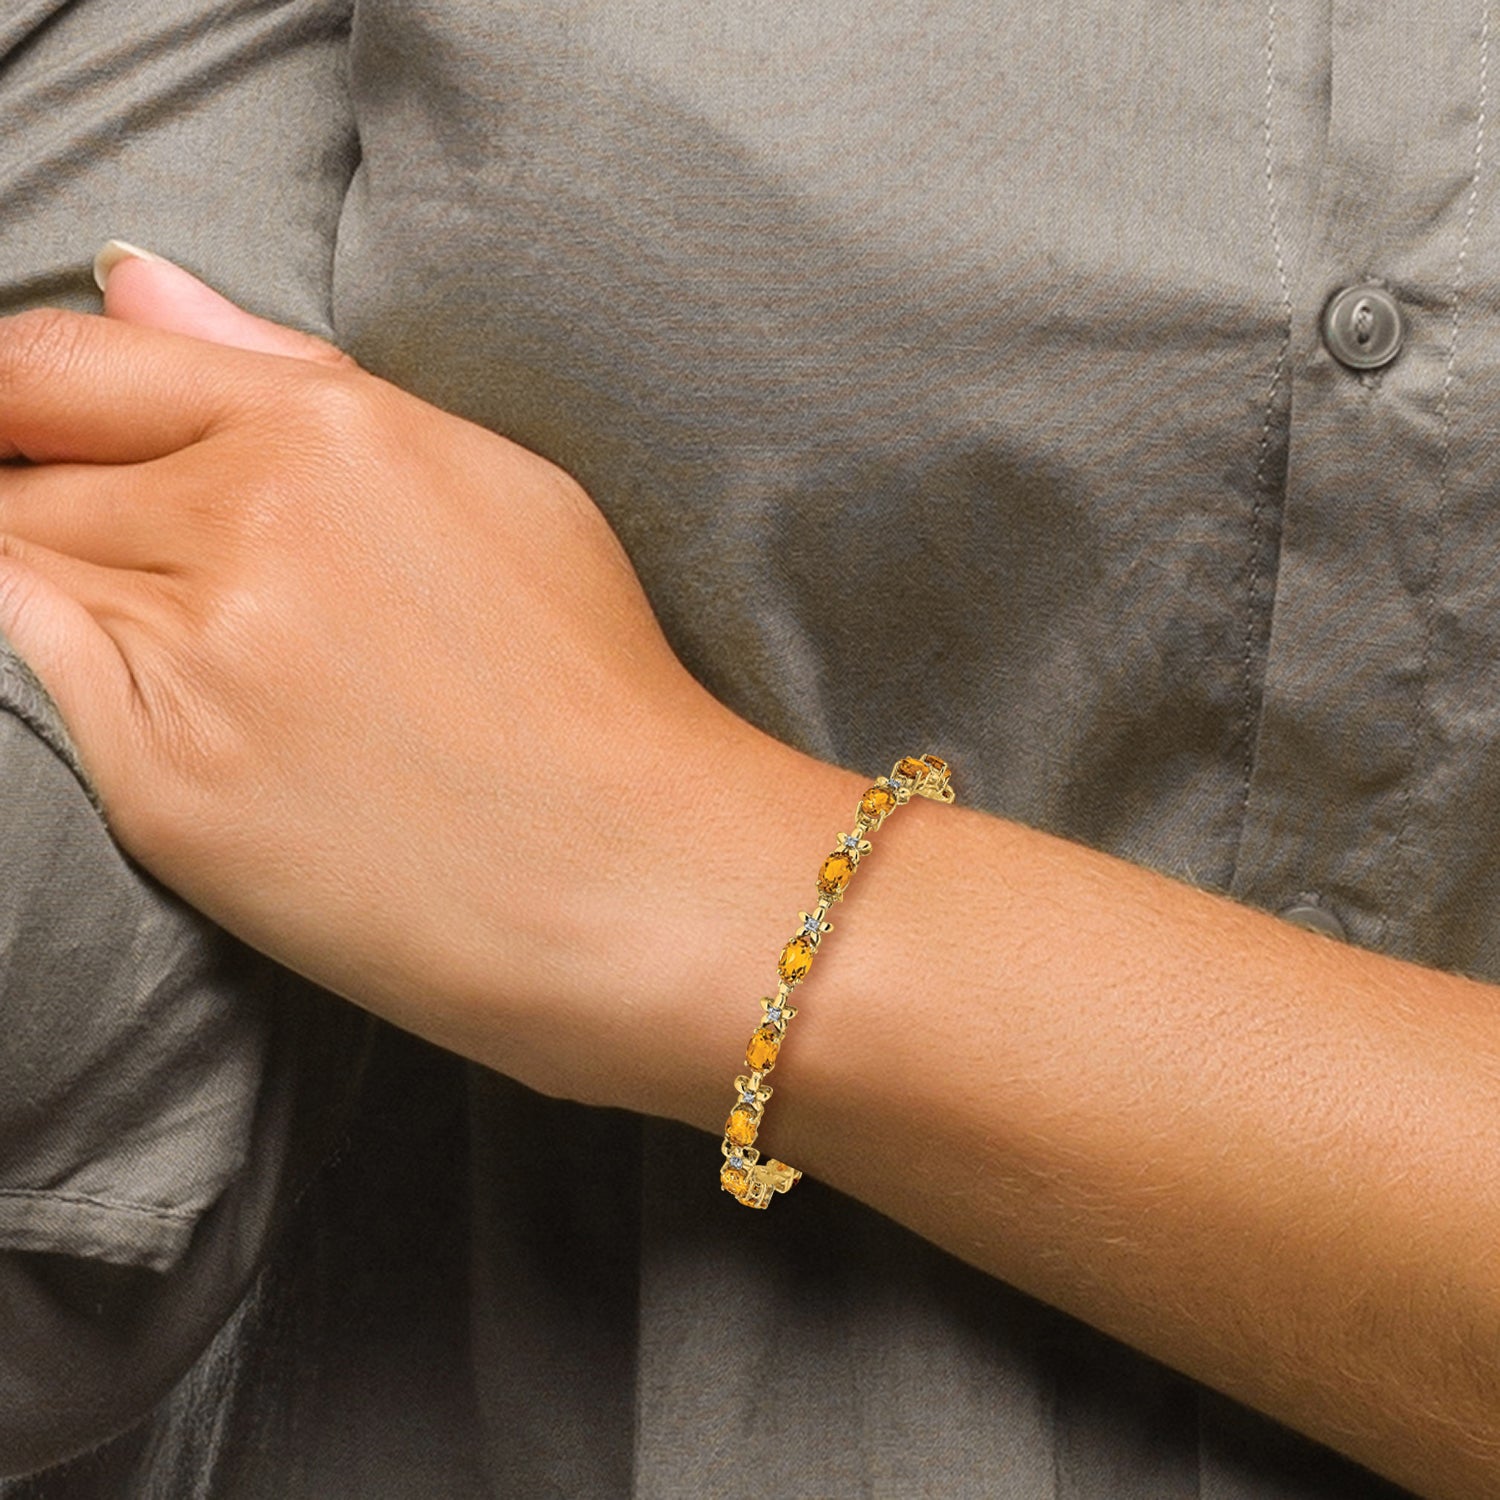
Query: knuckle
{"type": "Point", "coordinates": [324, 423]}
{"type": "Point", "coordinates": [335, 403]}
{"type": "Point", "coordinates": [14, 550]}
{"type": "Point", "coordinates": [41, 342]}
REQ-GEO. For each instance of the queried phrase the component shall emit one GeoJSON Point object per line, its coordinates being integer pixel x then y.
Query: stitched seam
{"type": "Point", "coordinates": [1257, 509]}
{"type": "Point", "coordinates": [1402, 862]}
{"type": "Point", "coordinates": [82, 1200]}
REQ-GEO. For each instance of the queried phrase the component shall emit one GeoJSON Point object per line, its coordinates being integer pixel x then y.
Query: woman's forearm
{"type": "Point", "coordinates": [1269, 1159]}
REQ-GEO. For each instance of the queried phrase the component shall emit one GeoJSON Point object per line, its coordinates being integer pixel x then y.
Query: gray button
{"type": "Point", "coordinates": [1314, 919]}
{"type": "Point", "coordinates": [1363, 327]}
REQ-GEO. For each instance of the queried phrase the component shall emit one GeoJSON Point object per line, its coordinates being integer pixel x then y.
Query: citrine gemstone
{"type": "Point", "coordinates": [937, 763]}
{"type": "Point", "coordinates": [735, 1179]}
{"type": "Point", "coordinates": [760, 1055]}
{"type": "Point", "coordinates": [876, 802]}
{"type": "Point", "coordinates": [741, 1125]}
{"type": "Point", "coordinates": [834, 875]}
{"type": "Point", "coordinates": [911, 767]}
{"type": "Point", "coordinates": [796, 960]}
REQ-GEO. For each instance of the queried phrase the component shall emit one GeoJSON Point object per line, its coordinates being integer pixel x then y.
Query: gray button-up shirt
{"type": "Point", "coordinates": [954, 374]}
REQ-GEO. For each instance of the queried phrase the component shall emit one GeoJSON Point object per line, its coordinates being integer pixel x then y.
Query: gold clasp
{"type": "Point", "coordinates": [768, 1178]}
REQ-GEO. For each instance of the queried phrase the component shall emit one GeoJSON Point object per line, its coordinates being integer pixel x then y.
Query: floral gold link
{"type": "Point", "coordinates": [743, 1175]}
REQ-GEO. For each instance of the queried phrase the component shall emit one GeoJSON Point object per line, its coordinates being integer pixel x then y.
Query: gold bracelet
{"type": "Point", "coordinates": [751, 1181]}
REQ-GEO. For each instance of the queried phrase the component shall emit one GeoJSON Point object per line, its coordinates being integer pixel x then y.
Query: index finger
{"type": "Point", "coordinates": [77, 387]}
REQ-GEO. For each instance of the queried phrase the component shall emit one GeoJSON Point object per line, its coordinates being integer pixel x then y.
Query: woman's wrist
{"type": "Point", "coordinates": [641, 969]}
{"type": "Point", "coordinates": [722, 907]}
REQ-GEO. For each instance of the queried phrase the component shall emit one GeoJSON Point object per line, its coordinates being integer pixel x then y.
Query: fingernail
{"type": "Point", "coordinates": [113, 253]}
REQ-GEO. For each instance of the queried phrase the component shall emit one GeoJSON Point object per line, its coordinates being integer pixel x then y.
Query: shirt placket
{"type": "Point", "coordinates": [1337, 818]}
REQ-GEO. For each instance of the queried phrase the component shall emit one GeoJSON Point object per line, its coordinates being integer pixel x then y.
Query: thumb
{"type": "Point", "coordinates": [144, 289]}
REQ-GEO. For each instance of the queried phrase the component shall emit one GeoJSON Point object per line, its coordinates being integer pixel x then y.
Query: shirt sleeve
{"type": "Point", "coordinates": [130, 1055]}
{"type": "Point", "coordinates": [163, 1092]}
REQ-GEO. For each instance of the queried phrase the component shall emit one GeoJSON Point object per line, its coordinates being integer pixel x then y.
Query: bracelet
{"type": "Point", "coordinates": [751, 1181]}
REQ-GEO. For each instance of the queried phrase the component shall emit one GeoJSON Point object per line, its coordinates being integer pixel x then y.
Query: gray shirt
{"type": "Point", "coordinates": [953, 375]}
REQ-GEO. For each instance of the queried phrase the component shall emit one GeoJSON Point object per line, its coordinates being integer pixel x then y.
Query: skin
{"type": "Point", "coordinates": [390, 704]}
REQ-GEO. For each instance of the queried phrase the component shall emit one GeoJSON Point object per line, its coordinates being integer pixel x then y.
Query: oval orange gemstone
{"type": "Point", "coordinates": [741, 1125]}
{"type": "Point", "coordinates": [735, 1179]}
{"type": "Point", "coordinates": [760, 1055]}
{"type": "Point", "coordinates": [876, 801]}
{"type": "Point", "coordinates": [937, 763]}
{"type": "Point", "coordinates": [796, 960]}
{"type": "Point", "coordinates": [834, 875]}
{"type": "Point", "coordinates": [910, 766]}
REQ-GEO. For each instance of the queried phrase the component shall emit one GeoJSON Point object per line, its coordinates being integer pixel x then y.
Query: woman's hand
{"type": "Point", "coordinates": [374, 687]}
